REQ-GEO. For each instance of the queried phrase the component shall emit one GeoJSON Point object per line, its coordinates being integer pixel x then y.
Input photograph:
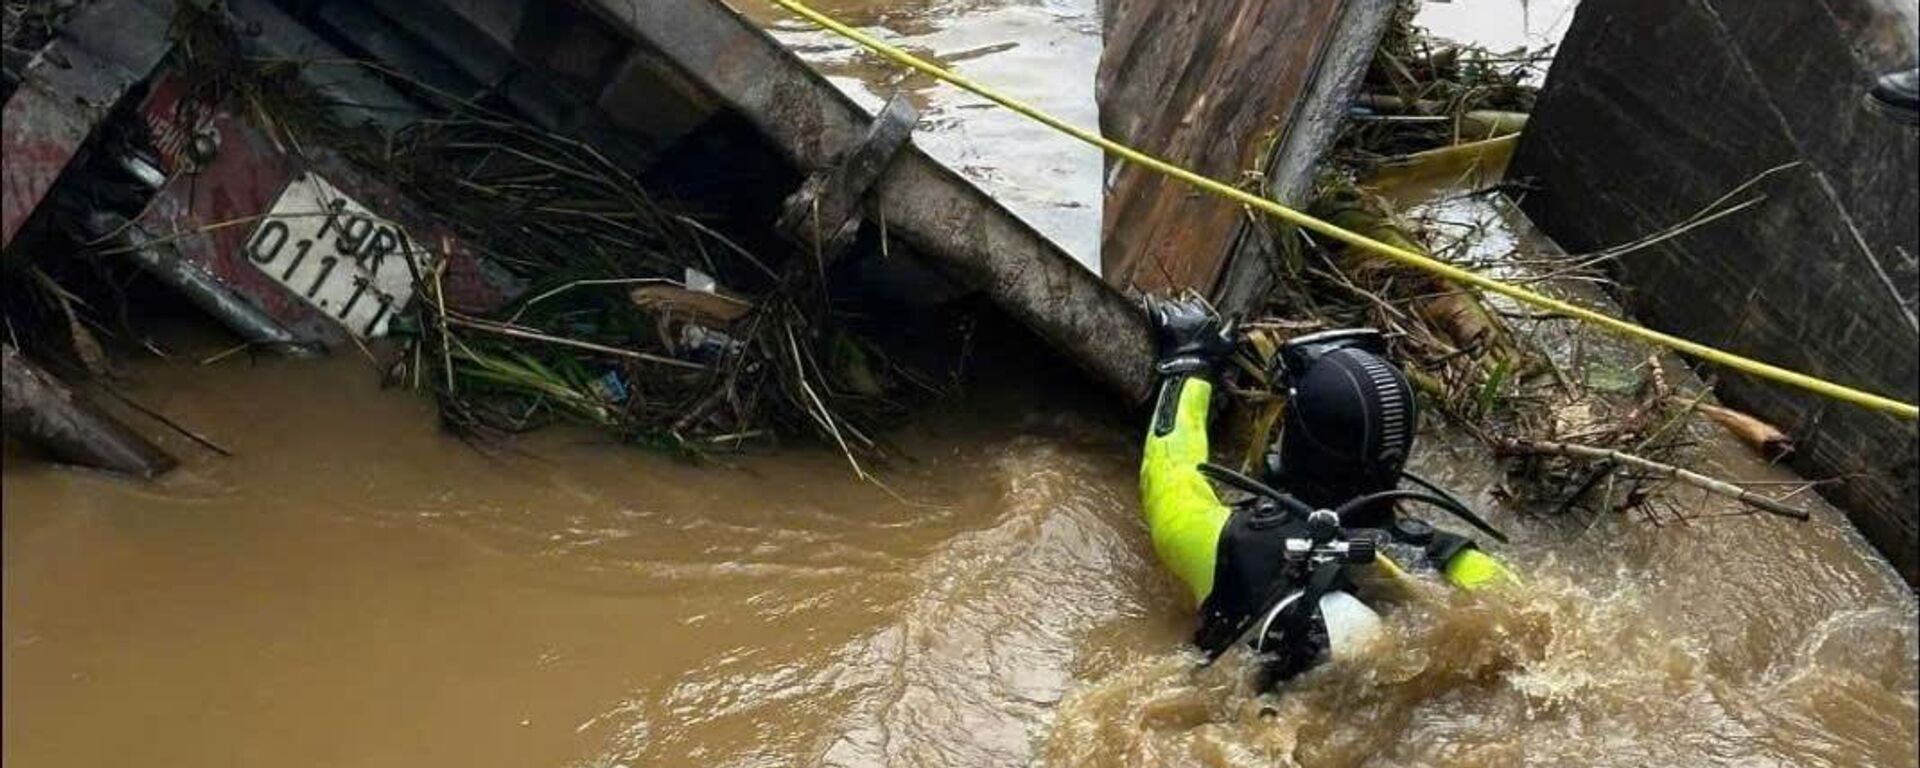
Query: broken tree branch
{"type": "Point", "coordinates": [1765, 439]}
{"type": "Point", "coordinates": [1524, 447]}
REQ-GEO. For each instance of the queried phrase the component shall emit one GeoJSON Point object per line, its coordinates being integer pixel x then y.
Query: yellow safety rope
{"type": "Point", "coordinates": [1821, 386]}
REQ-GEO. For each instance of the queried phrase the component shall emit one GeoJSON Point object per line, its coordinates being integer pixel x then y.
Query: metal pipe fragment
{"type": "Point", "coordinates": [161, 260]}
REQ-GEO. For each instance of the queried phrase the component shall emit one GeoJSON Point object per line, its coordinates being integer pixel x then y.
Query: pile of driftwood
{"type": "Point", "coordinates": [638, 317]}
{"type": "Point", "coordinates": [1596, 431]}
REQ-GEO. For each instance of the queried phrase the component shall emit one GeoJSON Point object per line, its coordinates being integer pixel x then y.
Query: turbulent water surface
{"type": "Point", "coordinates": [357, 588]}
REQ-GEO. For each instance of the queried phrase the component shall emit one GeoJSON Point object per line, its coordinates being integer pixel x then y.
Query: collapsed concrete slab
{"type": "Point", "coordinates": [963, 232]}
{"type": "Point", "coordinates": [1821, 277]}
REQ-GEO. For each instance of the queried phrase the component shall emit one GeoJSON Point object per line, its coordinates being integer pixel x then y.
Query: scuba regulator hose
{"type": "Point", "coordinates": [1434, 496]}
{"type": "Point", "coordinates": [1457, 507]}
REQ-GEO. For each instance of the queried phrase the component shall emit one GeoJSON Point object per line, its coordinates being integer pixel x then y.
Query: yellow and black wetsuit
{"type": "Point", "coordinates": [1224, 556]}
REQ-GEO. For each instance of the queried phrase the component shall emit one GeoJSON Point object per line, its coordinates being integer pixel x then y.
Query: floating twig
{"type": "Point", "coordinates": [150, 413]}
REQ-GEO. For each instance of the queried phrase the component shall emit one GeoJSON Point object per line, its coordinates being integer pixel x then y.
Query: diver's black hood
{"type": "Point", "coordinates": [1348, 429]}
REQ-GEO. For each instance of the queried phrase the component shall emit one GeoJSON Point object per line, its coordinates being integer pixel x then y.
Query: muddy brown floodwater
{"type": "Point", "coordinates": [356, 588]}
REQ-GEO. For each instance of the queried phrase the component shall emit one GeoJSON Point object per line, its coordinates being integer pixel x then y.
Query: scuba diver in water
{"type": "Point", "coordinates": [1273, 571]}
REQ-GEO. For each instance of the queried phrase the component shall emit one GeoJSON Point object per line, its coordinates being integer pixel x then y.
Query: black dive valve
{"type": "Point", "coordinates": [1355, 551]}
{"type": "Point", "coordinates": [1327, 542]}
{"type": "Point", "coordinates": [1323, 525]}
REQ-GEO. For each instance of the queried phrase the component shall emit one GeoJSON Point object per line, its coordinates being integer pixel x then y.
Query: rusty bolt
{"type": "Point", "coordinates": [205, 144]}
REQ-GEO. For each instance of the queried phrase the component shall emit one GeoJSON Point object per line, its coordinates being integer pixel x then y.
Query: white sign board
{"type": "Point", "coordinates": [338, 256]}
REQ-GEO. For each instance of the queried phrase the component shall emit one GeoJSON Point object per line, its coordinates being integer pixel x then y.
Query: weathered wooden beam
{"type": "Point", "coordinates": [946, 219]}
{"type": "Point", "coordinates": [1293, 162]}
{"type": "Point", "coordinates": [41, 409]}
{"type": "Point", "coordinates": [1221, 88]}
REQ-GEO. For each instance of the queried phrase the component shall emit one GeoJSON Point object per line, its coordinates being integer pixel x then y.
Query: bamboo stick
{"type": "Point", "coordinates": [517, 332]}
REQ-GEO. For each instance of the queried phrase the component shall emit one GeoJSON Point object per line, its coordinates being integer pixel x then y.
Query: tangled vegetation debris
{"type": "Point", "coordinates": [1594, 424]}
{"type": "Point", "coordinates": [638, 317]}
{"type": "Point", "coordinates": [1423, 93]}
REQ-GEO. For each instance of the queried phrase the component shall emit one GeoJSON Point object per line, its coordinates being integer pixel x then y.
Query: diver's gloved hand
{"type": "Point", "coordinates": [1189, 336]}
{"type": "Point", "coordinates": [1472, 569]}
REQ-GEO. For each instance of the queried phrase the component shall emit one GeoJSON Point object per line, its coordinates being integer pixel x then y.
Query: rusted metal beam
{"type": "Point", "coordinates": [946, 219]}
{"type": "Point", "coordinates": [163, 261]}
{"type": "Point", "coordinates": [826, 211]}
{"type": "Point", "coordinates": [544, 59]}
{"type": "Point", "coordinates": [42, 410]}
{"type": "Point", "coordinates": [358, 96]}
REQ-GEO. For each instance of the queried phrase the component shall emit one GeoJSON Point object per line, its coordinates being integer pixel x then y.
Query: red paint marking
{"type": "Point", "coordinates": [242, 182]}
{"type": "Point", "coordinates": [38, 138]}
{"type": "Point", "coordinates": [161, 113]}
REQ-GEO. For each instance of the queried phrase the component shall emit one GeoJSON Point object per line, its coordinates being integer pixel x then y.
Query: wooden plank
{"type": "Point", "coordinates": [1210, 86]}
{"type": "Point", "coordinates": [825, 214]}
